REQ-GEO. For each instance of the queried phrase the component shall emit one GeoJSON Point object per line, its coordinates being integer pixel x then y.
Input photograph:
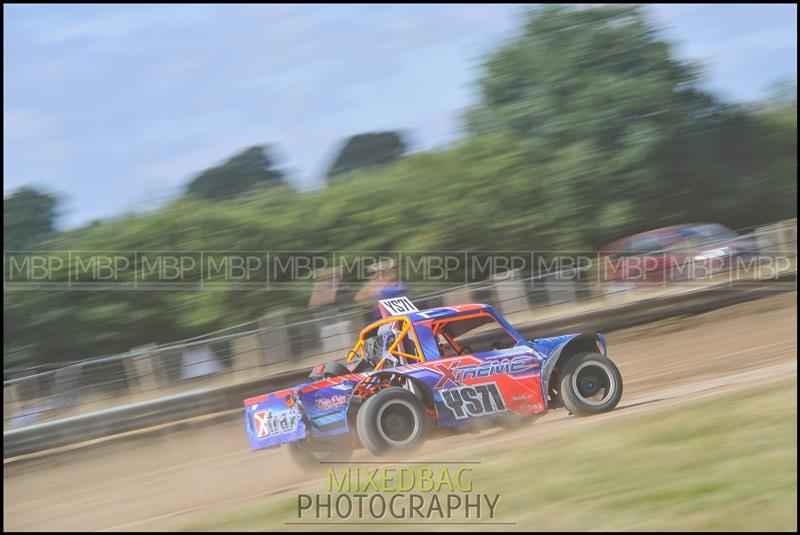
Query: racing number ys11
{"type": "Point", "coordinates": [466, 401]}
{"type": "Point", "coordinates": [398, 305]}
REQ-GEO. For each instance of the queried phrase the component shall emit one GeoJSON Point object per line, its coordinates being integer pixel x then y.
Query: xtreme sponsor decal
{"type": "Point", "coordinates": [453, 373]}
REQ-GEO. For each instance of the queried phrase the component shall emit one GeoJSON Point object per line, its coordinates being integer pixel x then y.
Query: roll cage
{"type": "Point", "coordinates": [395, 349]}
{"type": "Point", "coordinates": [407, 347]}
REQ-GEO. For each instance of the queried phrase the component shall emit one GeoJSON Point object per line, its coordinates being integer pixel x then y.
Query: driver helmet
{"type": "Point", "coordinates": [386, 336]}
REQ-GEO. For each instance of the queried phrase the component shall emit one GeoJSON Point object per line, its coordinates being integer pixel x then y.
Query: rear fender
{"type": "Point", "coordinates": [560, 348]}
{"type": "Point", "coordinates": [325, 403]}
{"type": "Point", "coordinates": [420, 389]}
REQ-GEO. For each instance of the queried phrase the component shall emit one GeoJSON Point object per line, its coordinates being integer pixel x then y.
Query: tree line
{"type": "Point", "coordinates": [587, 128]}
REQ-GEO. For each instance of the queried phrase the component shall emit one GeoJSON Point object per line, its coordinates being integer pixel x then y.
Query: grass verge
{"type": "Point", "coordinates": [724, 464]}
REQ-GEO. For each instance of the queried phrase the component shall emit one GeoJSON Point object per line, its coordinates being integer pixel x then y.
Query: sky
{"type": "Point", "coordinates": [115, 107]}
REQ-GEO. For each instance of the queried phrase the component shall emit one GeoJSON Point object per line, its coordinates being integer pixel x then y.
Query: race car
{"type": "Point", "coordinates": [674, 253]}
{"type": "Point", "coordinates": [413, 371]}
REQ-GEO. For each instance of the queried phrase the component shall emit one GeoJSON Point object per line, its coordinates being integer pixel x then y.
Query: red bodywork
{"type": "Point", "coordinates": [669, 253]}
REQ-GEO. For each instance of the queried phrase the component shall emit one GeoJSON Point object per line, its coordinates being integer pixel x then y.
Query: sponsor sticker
{"type": "Point", "coordinates": [272, 422]}
{"type": "Point", "coordinates": [332, 402]}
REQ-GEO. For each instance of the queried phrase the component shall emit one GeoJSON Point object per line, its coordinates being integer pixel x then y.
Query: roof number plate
{"type": "Point", "coordinates": [398, 306]}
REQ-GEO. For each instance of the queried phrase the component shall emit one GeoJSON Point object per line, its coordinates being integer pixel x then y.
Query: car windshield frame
{"type": "Point", "coordinates": [439, 328]}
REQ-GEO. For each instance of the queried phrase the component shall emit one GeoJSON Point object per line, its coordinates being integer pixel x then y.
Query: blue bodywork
{"type": "Point", "coordinates": [323, 404]}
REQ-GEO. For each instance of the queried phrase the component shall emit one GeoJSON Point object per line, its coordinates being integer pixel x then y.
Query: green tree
{"type": "Point", "coordinates": [28, 216]}
{"type": "Point", "coordinates": [601, 93]}
{"type": "Point", "coordinates": [366, 151]}
{"type": "Point", "coordinates": [242, 172]}
{"type": "Point", "coordinates": [587, 130]}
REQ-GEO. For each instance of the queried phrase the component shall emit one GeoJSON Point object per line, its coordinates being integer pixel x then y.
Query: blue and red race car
{"type": "Point", "coordinates": [446, 367]}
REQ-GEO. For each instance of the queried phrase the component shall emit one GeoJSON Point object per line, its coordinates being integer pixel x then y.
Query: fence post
{"type": "Point", "coordinates": [457, 296]}
{"type": "Point", "coordinates": [66, 386]}
{"type": "Point", "coordinates": [788, 237]}
{"type": "Point", "coordinates": [247, 355]}
{"type": "Point", "coordinates": [560, 291]}
{"type": "Point", "coordinates": [12, 404]}
{"type": "Point", "coordinates": [777, 238]}
{"type": "Point", "coordinates": [337, 338]}
{"type": "Point", "coordinates": [275, 339]}
{"type": "Point", "coordinates": [198, 361]}
{"type": "Point", "coordinates": [509, 293]}
{"type": "Point", "coordinates": [147, 369]}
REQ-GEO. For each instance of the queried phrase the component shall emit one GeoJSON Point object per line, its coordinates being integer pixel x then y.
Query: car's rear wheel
{"type": "Point", "coordinates": [393, 419]}
{"type": "Point", "coordinates": [590, 384]}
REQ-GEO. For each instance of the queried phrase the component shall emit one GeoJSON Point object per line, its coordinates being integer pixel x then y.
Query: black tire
{"type": "Point", "coordinates": [391, 420]}
{"type": "Point", "coordinates": [312, 460]}
{"type": "Point", "coordinates": [590, 384]}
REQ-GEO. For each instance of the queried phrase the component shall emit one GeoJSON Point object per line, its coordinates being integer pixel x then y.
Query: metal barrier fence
{"type": "Point", "coordinates": [218, 402]}
{"type": "Point", "coordinates": [275, 343]}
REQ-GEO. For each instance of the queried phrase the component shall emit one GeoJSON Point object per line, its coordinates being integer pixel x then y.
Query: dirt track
{"type": "Point", "coordinates": [165, 481]}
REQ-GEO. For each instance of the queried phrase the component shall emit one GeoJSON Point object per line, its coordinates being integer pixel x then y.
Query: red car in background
{"type": "Point", "coordinates": [673, 253]}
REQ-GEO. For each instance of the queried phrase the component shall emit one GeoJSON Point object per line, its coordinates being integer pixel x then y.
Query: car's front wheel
{"type": "Point", "coordinates": [590, 384]}
{"type": "Point", "coordinates": [393, 419]}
